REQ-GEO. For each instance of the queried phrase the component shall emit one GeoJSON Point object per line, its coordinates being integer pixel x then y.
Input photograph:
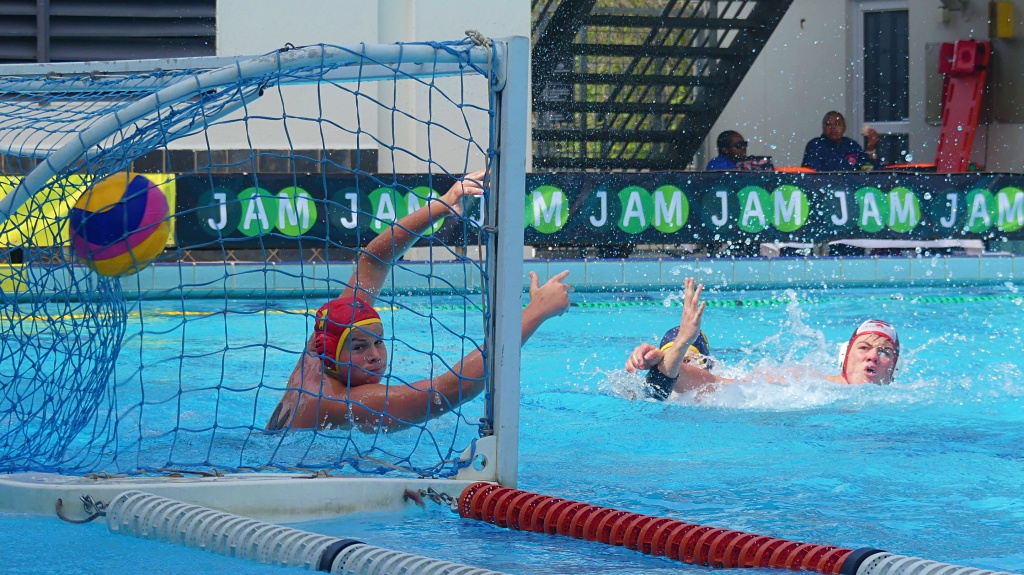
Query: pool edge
{"type": "Point", "coordinates": [272, 497]}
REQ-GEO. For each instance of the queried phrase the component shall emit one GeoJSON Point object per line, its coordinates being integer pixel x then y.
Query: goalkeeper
{"type": "Point", "coordinates": [340, 378]}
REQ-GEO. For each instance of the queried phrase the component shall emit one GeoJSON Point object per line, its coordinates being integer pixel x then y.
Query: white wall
{"type": "Point", "coordinates": [260, 26]}
{"type": "Point", "coordinates": [799, 76]}
{"type": "Point", "coordinates": [806, 69]}
{"type": "Point", "coordinates": [998, 145]}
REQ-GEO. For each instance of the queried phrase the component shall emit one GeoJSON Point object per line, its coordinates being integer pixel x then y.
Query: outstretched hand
{"type": "Point", "coordinates": [550, 299]}
{"type": "Point", "coordinates": [693, 313]}
{"type": "Point", "coordinates": [472, 184]}
{"type": "Point", "coordinates": [647, 356]}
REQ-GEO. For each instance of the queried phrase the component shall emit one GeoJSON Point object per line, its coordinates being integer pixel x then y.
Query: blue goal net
{"type": "Point", "coordinates": [169, 231]}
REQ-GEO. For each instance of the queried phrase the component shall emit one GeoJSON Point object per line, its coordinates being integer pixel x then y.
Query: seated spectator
{"type": "Point", "coordinates": [732, 155]}
{"type": "Point", "coordinates": [833, 152]}
{"type": "Point", "coordinates": [731, 147]}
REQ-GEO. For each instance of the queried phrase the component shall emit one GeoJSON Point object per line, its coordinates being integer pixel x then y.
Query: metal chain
{"type": "Point", "coordinates": [93, 508]}
{"type": "Point", "coordinates": [478, 38]}
{"type": "Point", "coordinates": [440, 498]}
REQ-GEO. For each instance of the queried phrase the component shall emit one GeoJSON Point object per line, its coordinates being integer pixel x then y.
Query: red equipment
{"type": "Point", "coordinates": [965, 65]}
{"type": "Point", "coordinates": [686, 542]}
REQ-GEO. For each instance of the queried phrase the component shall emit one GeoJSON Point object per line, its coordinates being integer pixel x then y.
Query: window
{"type": "Point", "coordinates": [884, 77]}
{"type": "Point", "coordinates": [886, 59]}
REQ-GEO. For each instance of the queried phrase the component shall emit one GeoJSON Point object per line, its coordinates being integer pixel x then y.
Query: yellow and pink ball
{"type": "Point", "coordinates": [120, 225]}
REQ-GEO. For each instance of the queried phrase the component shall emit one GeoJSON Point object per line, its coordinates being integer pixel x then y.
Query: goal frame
{"type": "Point", "coordinates": [493, 457]}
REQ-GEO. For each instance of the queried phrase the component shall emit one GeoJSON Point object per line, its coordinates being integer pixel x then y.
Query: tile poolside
{"type": "Point", "coordinates": [294, 279]}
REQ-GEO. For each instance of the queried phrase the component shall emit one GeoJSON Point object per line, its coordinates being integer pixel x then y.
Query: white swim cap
{"type": "Point", "coordinates": [871, 327]}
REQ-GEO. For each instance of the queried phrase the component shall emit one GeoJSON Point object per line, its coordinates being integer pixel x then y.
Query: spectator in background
{"type": "Point", "coordinates": [732, 155]}
{"type": "Point", "coordinates": [731, 148]}
{"type": "Point", "coordinates": [833, 152]}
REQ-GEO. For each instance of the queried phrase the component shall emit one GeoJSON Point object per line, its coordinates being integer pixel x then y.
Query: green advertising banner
{"type": "Point", "coordinates": [581, 209]}
{"type": "Point", "coordinates": [280, 211]}
{"type": "Point", "coordinates": [681, 207]}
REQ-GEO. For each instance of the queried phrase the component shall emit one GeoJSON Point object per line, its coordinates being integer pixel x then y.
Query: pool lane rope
{"type": "Point", "coordinates": [686, 542]}
{"type": "Point", "coordinates": [677, 302]}
{"type": "Point", "coordinates": [149, 516]}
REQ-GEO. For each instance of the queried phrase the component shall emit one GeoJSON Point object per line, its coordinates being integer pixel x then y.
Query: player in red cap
{"type": "Point", "coordinates": [340, 378]}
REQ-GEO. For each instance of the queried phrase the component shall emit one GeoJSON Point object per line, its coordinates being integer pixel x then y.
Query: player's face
{"type": "Point", "coordinates": [365, 355]}
{"type": "Point", "coordinates": [698, 360]}
{"type": "Point", "coordinates": [834, 127]}
{"type": "Point", "coordinates": [871, 359]}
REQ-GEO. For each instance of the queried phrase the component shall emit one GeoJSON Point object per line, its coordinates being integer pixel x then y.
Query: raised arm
{"type": "Point", "coordinates": [405, 405]}
{"type": "Point", "coordinates": [646, 356]}
{"type": "Point", "coordinates": [689, 329]}
{"type": "Point", "coordinates": [384, 250]}
{"type": "Point", "coordinates": [670, 362]}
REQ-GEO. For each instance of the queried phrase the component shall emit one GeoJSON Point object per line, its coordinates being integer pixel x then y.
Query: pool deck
{"type": "Point", "coordinates": [258, 279]}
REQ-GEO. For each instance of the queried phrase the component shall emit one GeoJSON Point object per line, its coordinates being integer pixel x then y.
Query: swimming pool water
{"type": "Point", "coordinates": [929, 466]}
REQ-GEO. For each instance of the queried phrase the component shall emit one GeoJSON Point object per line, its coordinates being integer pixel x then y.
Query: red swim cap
{"type": "Point", "coordinates": [335, 320]}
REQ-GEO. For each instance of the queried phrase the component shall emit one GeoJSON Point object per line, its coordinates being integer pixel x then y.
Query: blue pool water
{"type": "Point", "coordinates": [929, 466]}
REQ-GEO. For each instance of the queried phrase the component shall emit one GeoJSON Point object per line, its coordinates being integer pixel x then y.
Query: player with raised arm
{"type": "Point", "coordinates": [682, 363]}
{"type": "Point", "coordinates": [339, 379]}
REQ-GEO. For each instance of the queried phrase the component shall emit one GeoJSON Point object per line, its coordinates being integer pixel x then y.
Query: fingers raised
{"type": "Point", "coordinates": [557, 278]}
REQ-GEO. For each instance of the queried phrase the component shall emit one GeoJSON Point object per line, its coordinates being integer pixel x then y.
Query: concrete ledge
{"type": "Point", "coordinates": [271, 497]}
